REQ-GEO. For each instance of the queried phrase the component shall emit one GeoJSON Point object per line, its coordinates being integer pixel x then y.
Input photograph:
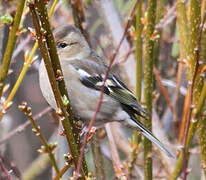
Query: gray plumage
{"type": "Point", "coordinates": [84, 72]}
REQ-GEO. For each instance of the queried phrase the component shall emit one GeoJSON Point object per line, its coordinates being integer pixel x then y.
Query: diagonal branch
{"type": "Point", "coordinates": [102, 90]}
{"type": "Point", "coordinates": [45, 39]}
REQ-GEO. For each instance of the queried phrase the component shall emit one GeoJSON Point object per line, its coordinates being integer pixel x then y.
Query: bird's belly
{"type": "Point", "coordinates": [85, 101]}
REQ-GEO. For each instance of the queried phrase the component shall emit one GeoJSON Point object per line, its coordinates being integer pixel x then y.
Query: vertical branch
{"type": "Point", "coordinates": [102, 88]}
{"type": "Point", "coordinates": [159, 15]}
{"type": "Point", "coordinates": [138, 50]}
{"type": "Point", "coordinates": [45, 39]}
{"type": "Point", "coordinates": [4, 67]}
{"type": "Point", "coordinates": [182, 23]}
{"type": "Point", "coordinates": [202, 124]}
{"type": "Point", "coordinates": [193, 77]}
{"type": "Point", "coordinates": [148, 82]}
{"type": "Point", "coordinates": [194, 85]}
{"type": "Point", "coordinates": [27, 63]}
{"type": "Point", "coordinates": [138, 86]}
{"type": "Point", "coordinates": [43, 16]}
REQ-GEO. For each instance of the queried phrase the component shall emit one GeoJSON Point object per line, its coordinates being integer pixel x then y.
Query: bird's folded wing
{"type": "Point", "coordinates": [92, 76]}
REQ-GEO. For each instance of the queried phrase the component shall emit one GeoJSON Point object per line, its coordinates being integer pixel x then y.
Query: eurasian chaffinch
{"type": "Point", "coordinates": [83, 72]}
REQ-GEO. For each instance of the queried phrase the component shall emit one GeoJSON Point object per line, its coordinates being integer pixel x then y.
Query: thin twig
{"type": "Point", "coordinates": [168, 18]}
{"type": "Point", "coordinates": [62, 171]}
{"type": "Point", "coordinates": [23, 126]}
{"type": "Point", "coordinates": [102, 91]}
{"type": "Point", "coordinates": [46, 148]}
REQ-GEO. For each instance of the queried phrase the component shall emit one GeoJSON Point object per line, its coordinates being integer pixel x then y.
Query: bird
{"type": "Point", "coordinates": [84, 71]}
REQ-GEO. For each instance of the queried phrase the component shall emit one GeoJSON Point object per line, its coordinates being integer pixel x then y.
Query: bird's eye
{"type": "Point", "coordinates": [62, 45]}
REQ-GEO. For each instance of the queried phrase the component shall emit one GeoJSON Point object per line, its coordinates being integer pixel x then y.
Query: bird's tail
{"type": "Point", "coordinates": [148, 134]}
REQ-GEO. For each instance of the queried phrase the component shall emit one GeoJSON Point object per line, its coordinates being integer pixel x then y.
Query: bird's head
{"type": "Point", "coordinates": [70, 42]}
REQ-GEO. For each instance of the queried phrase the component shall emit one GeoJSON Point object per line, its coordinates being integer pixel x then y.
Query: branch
{"type": "Point", "coordinates": [29, 59]}
{"type": "Point", "coordinates": [46, 39]}
{"type": "Point", "coordinates": [148, 82]}
{"type": "Point", "coordinates": [195, 85]}
{"type": "Point", "coordinates": [46, 148]}
{"type": "Point", "coordinates": [23, 126]}
{"type": "Point", "coordinates": [102, 90]}
{"type": "Point", "coordinates": [4, 67]}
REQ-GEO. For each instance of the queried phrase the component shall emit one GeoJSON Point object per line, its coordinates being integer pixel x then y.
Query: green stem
{"type": "Point", "coordinates": [4, 68]}
{"type": "Point", "coordinates": [159, 15]}
{"type": "Point", "coordinates": [195, 84]}
{"type": "Point", "coordinates": [182, 23]}
{"type": "Point", "coordinates": [52, 65]}
{"type": "Point", "coordinates": [196, 113]}
{"type": "Point", "coordinates": [138, 50]}
{"type": "Point", "coordinates": [138, 87]}
{"type": "Point", "coordinates": [62, 171]}
{"type": "Point", "coordinates": [26, 66]}
{"type": "Point", "coordinates": [148, 82]}
{"type": "Point", "coordinates": [201, 128]}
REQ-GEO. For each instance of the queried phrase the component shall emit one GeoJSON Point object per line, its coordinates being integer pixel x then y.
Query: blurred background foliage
{"type": "Point", "coordinates": [178, 44]}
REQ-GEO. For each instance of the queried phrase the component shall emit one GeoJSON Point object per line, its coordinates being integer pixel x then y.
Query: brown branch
{"type": "Point", "coordinates": [193, 50]}
{"type": "Point", "coordinates": [191, 89]}
{"type": "Point", "coordinates": [102, 91]}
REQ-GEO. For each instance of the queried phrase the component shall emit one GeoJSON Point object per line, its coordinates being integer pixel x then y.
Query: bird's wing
{"type": "Point", "coordinates": [92, 76]}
